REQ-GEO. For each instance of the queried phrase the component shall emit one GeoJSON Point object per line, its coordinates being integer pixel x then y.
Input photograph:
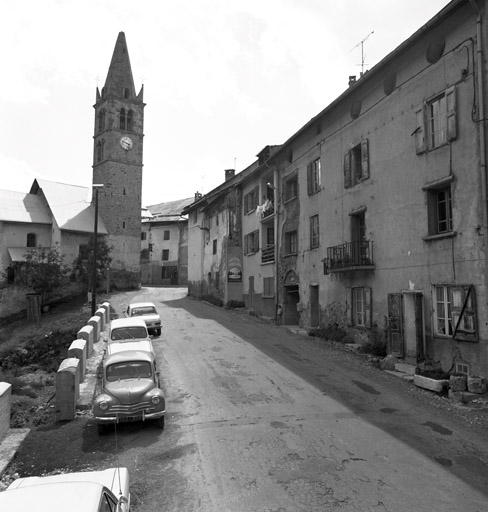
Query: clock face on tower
{"type": "Point", "coordinates": [126, 143]}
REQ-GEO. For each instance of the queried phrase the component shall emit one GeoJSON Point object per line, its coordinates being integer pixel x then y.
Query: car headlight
{"type": "Point", "coordinates": [155, 399]}
{"type": "Point", "coordinates": [103, 405]}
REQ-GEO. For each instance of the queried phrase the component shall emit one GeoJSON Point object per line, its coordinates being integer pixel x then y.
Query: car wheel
{"type": "Point", "coordinates": [160, 422]}
{"type": "Point", "coordinates": [101, 428]}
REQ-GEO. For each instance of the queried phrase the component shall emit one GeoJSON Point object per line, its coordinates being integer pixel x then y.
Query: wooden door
{"type": "Point", "coordinates": [395, 324]}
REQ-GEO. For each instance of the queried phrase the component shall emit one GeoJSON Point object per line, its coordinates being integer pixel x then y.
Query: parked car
{"type": "Point", "coordinates": [116, 346]}
{"type": "Point", "coordinates": [150, 314]}
{"type": "Point", "coordinates": [88, 491]}
{"type": "Point", "coordinates": [130, 390]}
{"type": "Point", "coordinates": [127, 329]}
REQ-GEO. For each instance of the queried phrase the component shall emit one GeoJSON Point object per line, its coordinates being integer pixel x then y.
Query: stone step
{"type": "Point", "coordinates": [405, 368]}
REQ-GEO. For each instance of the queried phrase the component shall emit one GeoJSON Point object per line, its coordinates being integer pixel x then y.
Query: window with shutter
{"type": "Point", "coordinates": [313, 176]}
{"type": "Point", "coordinates": [356, 164]}
{"type": "Point", "coordinates": [435, 121]}
{"type": "Point", "coordinates": [454, 309]}
{"type": "Point", "coordinates": [361, 306]}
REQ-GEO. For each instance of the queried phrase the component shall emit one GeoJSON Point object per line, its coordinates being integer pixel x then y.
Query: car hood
{"type": "Point", "coordinates": [129, 391]}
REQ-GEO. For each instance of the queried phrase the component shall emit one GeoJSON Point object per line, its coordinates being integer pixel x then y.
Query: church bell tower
{"type": "Point", "coordinates": [117, 165]}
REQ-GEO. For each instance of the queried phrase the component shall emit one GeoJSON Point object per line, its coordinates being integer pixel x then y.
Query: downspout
{"type": "Point", "coordinates": [276, 234]}
{"type": "Point", "coordinates": [481, 116]}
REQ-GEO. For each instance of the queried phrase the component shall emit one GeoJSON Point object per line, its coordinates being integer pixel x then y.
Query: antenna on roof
{"type": "Point", "coordinates": [362, 51]}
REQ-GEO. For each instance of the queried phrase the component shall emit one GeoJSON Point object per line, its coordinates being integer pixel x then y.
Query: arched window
{"type": "Point", "coordinates": [122, 119]}
{"type": "Point", "coordinates": [101, 120]}
{"type": "Point", "coordinates": [99, 151]}
{"type": "Point", "coordinates": [129, 120]}
{"type": "Point", "coordinates": [126, 93]}
{"type": "Point", "coordinates": [31, 240]}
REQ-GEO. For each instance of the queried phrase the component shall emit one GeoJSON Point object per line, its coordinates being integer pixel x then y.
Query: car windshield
{"type": "Point", "coordinates": [147, 310]}
{"type": "Point", "coordinates": [128, 333]}
{"type": "Point", "coordinates": [128, 370]}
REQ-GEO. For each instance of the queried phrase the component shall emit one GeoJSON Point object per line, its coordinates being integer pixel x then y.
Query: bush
{"type": "Point", "coordinates": [234, 304]}
{"type": "Point", "coordinates": [331, 332]}
{"type": "Point", "coordinates": [213, 300]}
{"type": "Point", "coordinates": [375, 346]}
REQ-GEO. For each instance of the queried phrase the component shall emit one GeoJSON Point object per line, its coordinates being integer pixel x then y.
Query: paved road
{"type": "Point", "coordinates": [260, 419]}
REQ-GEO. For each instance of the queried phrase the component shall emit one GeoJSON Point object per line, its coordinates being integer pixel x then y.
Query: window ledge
{"type": "Point", "coordinates": [433, 238]}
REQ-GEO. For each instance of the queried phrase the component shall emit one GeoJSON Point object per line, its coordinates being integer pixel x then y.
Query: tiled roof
{"type": "Point", "coordinates": [170, 211]}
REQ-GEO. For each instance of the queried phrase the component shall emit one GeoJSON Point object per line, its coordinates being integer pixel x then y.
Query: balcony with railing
{"type": "Point", "coordinates": [268, 254]}
{"type": "Point", "coordinates": [350, 256]}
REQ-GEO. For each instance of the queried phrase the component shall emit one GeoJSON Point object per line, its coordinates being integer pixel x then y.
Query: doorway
{"type": "Point", "coordinates": [314, 306]}
{"type": "Point", "coordinates": [406, 326]}
{"type": "Point", "coordinates": [291, 314]}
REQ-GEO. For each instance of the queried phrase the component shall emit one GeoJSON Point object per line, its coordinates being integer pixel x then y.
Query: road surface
{"type": "Point", "coordinates": [261, 419]}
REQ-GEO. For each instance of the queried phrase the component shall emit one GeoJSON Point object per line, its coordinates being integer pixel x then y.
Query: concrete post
{"type": "Point", "coordinates": [103, 318]}
{"type": "Point", "coordinates": [5, 404]}
{"type": "Point", "coordinates": [77, 350]}
{"type": "Point", "coordinates": [106, 307]}
{"type": "Point", "coordinates": [67, 389]}
{"type": "Point", "coordinates": [87, 333]}
{"type": "Point", "coordinates": [95, 323]}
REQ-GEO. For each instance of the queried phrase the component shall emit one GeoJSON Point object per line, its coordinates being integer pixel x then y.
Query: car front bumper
{"type": "Point", "coordinates": [123, 418]}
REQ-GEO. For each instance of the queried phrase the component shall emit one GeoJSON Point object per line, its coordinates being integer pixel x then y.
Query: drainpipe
{"type": "Point", "coordinates": [277, 239]}
{"type": "Point", "coordinates": [481, 115]}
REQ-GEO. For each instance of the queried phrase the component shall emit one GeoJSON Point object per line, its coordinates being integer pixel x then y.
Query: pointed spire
{"type": "Point", "coordinates": [119, 76]}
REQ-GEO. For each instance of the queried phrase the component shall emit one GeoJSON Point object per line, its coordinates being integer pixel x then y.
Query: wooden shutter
{"type": "Point", "coordinates": [347, 170]}
{"type": "Point", "coordinates": [451, 113]}
{"type": "Point", "coordinates": [246, 203]}
{"type": "Point", "coordinates": [365, 158]}
{"type": "Point", "coordinates": [310, 178]}
{"type": "Point", "coordinates": [463, 311]}
{"type": "Point", "coordinates": [419, 130]}
{"type": "Point", "coordinates": [367, 306]}
{"type": "Point", "coordinates": [255, 197]}
{"type": "Point", "coordinates": [349, 299]}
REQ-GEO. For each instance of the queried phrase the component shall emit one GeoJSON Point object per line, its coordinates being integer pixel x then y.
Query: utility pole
{"type": "Point", "coordinates": [95, 250]}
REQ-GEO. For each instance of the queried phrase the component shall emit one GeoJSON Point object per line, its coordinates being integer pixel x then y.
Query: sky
{"type": "Point", "coordinates": [222, 79]}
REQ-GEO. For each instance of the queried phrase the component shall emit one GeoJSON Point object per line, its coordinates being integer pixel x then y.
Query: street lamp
{"type": "Point", "coordinates": [97, 187]}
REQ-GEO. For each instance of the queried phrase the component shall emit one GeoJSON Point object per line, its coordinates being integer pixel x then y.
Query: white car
{"type": "Point", "coordinates": [127, 329]}
{"type": "Point", "coordinates": [115, 347]}
{"type": "Point", "coordinates": [90, 491]}
{"type": "Point", "coordinates": [148, 311]}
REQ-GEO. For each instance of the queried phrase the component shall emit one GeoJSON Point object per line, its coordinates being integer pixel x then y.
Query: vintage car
{"type": "Point", "coordinates": [127, 329]}
{"type": "Point", "coordinates": [116, 346]}
{"type": "Point", "coordinates": [130, 390]}
{"type": "Point", "coordinates": [87, 491]}
{"type": "Point", "coordinates": [148, 311]}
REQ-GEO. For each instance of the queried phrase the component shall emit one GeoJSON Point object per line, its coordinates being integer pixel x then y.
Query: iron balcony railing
{"type": "Point", "coordinates": [350, 256]}
{"type": "Point", "coordinates": [268, 254]}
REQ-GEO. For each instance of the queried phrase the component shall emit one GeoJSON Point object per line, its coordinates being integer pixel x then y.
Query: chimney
{"type": "Point", "coordinates": [229, 173]}
{"type": "Point", "coordinates": [352, 80]}
{"type": "Point", "coordinates": [198, 195]}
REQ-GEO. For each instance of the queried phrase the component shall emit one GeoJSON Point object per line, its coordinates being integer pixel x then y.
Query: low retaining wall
{"type": "Point", "coordinates": [71, 373]}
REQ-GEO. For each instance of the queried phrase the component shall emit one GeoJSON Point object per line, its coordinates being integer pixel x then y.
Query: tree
{"type": "Point", "coordinates": [83, 267]}
{"type": "Point", "coordinates": [44, 270]}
